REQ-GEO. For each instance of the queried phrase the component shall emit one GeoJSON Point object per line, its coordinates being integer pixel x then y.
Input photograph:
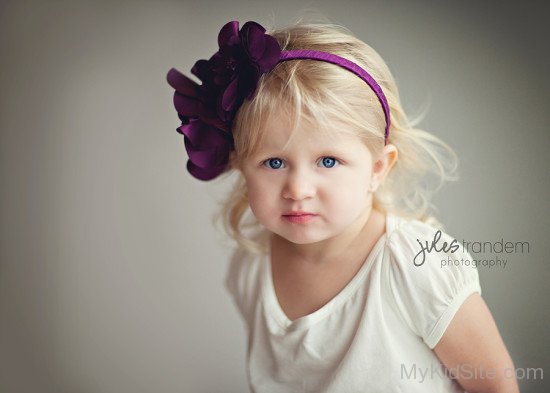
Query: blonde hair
{"type": "Point", "coordinates": [325, 95]}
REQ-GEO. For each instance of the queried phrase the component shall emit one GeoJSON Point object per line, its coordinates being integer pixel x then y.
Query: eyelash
{"type": "Point", "coordinates": [265, 162]}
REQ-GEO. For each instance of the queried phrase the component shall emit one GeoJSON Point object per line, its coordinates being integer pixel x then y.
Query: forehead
{"type": "Point", "coordinates": [279, 135]}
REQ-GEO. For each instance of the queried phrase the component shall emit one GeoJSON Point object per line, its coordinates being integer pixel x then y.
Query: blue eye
{"type": "Point", "coordinates": [277, 163]}
{"type": "Point", "coordinates": [329, 162]}
{"type": "Point", "coordinates": [274, 163]}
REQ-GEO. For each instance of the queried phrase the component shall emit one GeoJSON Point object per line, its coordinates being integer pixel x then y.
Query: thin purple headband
{"type": "Point", "coordinates": [348, 65]}
{"type": "Point", "coordinates": [228, 78]}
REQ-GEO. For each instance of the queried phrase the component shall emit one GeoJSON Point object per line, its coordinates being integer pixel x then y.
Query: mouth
{"type": "Point", "coordinates": [296, 213]}
{"type": "Point", "coordinates": [299, 217]}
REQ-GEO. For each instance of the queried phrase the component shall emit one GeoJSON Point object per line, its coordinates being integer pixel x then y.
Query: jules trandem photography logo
{"type": "Point", "coordinates": [489, 254]}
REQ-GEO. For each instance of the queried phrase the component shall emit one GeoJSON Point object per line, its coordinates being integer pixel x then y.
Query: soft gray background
{"type": "Point", "coordinates": [111, 272]}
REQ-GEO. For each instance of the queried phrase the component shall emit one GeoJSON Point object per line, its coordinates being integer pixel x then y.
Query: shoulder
{"type": "Point", "coordinates": [430, 275]}
{"type": "Point", "coordinates": [407, 235]}
{"type": "Point", "coordinates": [244, 264]}
{"type": "Point", "coordinates": [242, 269]}
{"type": "Point", "coordinates": [243, 280]}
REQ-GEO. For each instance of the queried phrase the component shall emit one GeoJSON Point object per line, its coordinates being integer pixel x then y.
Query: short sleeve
{"type": "Point", "coordinates": [429, 287]}
{"type": "Point", "coordinates": [242, 282]}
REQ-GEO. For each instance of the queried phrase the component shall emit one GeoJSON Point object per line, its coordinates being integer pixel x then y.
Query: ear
{"type": "Point", "coordinates": [382, 166]}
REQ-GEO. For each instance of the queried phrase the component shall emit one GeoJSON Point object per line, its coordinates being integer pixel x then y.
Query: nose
{"type": "Point", "coordinates": [299, 184]}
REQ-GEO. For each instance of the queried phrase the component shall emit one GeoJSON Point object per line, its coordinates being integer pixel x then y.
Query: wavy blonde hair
{"type": "Point", "coordinates": [328, 96]}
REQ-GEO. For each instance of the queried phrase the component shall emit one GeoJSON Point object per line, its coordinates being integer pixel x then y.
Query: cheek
{"type": "Point", "coordinates": [261, 196]}
{"type": "Point", "coordinates": [355, 180]}
{"type": "Point", "coordinates": [348, 192]}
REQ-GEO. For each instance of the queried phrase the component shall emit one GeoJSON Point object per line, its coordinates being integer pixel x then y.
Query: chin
{"type": "Point", "coordinates": [302, 238]}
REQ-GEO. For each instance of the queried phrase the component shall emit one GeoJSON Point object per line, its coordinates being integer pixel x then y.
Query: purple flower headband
{"type": "Point", "coordinates": [228, 78]}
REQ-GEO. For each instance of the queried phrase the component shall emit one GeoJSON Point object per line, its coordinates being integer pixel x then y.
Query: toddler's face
{"type": "Point", "coordinates": [328, 177]}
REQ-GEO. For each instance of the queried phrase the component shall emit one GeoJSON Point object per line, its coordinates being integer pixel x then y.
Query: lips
{"type": "Point", "coordinates": [297, 213]}
{"type": "Point", "coordinates": [299, 217]}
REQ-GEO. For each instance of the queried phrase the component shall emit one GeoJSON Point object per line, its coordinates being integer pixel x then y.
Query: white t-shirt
{"type": "Point", "coordinates": [376, 335]}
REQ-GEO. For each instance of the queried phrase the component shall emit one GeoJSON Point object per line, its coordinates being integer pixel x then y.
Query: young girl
{"type": "Point", "coordinates": [344, 280]}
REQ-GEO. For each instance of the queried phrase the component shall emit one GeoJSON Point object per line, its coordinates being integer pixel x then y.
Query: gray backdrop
{"type": "Point", "coordinates": [111, 271]}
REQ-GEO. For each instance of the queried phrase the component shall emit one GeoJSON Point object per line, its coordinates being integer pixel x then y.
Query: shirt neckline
{"type": "Point", "coordinates": [275, 311]}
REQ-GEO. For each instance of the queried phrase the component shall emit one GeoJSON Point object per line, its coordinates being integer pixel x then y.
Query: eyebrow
{"type": "Point", "coordinates": [327, 151]}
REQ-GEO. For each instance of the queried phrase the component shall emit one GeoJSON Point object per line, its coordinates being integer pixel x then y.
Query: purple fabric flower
{"type": "Point", "coordinates": [228, 78]}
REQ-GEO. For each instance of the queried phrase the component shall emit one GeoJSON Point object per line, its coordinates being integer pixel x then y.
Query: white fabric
{"type": "Point", "coordinates": [376, 335]}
